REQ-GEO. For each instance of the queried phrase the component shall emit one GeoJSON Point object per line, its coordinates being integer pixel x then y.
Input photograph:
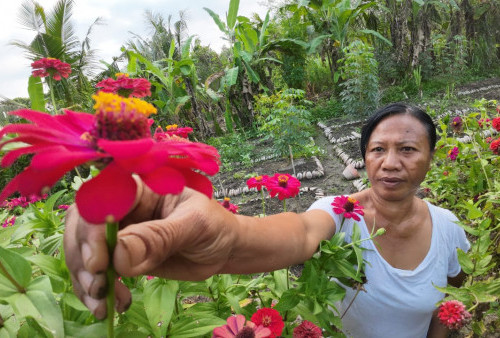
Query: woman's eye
{"type": "Point", "coordinates": [408, 148]}
{"type": "Point", "coordinates": [377, 149]}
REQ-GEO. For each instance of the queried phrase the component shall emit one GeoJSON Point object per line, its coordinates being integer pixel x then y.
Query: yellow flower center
{"type": "Point", "coordinates": [109, 102]}
{"type": "Point", "coordinates": [258, 178]}
{"type": "Point", "coordinates": [171, 127]}
{"type": "Point", "coordinates": [121, 74]}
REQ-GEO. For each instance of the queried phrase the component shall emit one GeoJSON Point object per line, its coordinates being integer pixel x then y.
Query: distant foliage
{"type": "Point", "coordinates": [359, 71]}
{"type": "Point", "coordinates": [285, 118]}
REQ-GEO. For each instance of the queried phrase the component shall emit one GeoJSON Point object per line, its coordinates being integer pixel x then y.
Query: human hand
{"type": "Point", "coordinates": [185, 237]}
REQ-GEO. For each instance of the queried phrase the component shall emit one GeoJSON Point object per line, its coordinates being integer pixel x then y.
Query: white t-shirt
{"type": "Point", "coordinates": [399, 303]}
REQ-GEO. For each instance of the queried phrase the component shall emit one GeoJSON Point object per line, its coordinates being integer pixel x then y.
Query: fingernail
{"type": "Point", "coordinates": [95, 306]}
{"type": "Point", "coordinates": [86, 279]}
{"type": "Point", "coordinates": [134, 245]}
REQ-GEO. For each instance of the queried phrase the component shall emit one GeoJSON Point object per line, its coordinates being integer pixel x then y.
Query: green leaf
{"type": "Point", "coordinates": [465, 262]}
{"type": "Point", "coordinates": [186, 47]}
{"type": "Point", "coordinates": [288, 300]}
{"type": "Point", "coordinates": [263, 30]}
{"type": "Point", "coordinates": [51, 201]}
{"type": "Point", "coordinates": [72, 300]}
{"type": "Point", "coordinates": [159, 302]}
{"type": "Point", "coordinates": [232, 13]}
{"type": "Point", "coordinates": [16, 266]}
{"type": "Point", "coordinates": [376, 34]}
{"type": "Point", "coordinates": [194, 327]}
{"type": "Point", "coordinates": [74, 329]}
{"type": "Point", "coordinates": [132, 64]}
{"type": "Point", "coordinates": [52, 267]}
{"type": "Point", "coordinates": [6, 288]}
{"type": "Point", "coordinates": [231, 76]}
{"type": "Point", "coordinates": [217, 20]}
{"type": "Point", "coordinates": [35, 92]}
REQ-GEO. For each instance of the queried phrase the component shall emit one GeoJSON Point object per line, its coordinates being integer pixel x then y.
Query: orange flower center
{"type": "Point", "coordinates": [171, 127]}
{"type": "Point", "coordinates": [349, 205]}
{"type": "Point", "coordinates": [266, 321]}
{"type": "Point", "coordinates": [283, 181]}
{"type": "Point", "coordinates": [258, 178]}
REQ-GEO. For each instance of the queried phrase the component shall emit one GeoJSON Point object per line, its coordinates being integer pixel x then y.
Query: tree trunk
{"type": "Point", "coordinates": [420, 35]}
{"type": "Point", "coordinates": [202, 124]}
{"type": "Point", "coordinates": [399, 27]}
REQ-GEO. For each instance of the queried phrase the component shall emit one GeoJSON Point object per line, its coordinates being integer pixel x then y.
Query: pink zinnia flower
{"type": "Point", "coordinates": [125, 86]}
{"type": "Point", "coordinates": [9, 222]}
{"type": "Point", "coordinates": [453, 153]}
{"type": "Point", "coordinates": [456, 124]}
{"type": "Point", "coordinates": [229, 206]}
{"type": "Point", "coordinates": [483, 122]}
{"type": "Point", "coordinates": [63, 207]}
{"type": "Point", "coordinates": [453, 314]}
{"type": "Point", "coordinates": [257, 182]}
{"type": "Point", "coordinates": [118, 137]}
{"type": "Point", "coordinates": [271, 319]}
{"type": "Point", "coordinates": [51, 67]}
{"type": "Point", "coordinates": [172, 130]}
{"type": "Point", "coordinates": [495, 146]}
{"type": "Point", "coordinates": [347, 206]}
{"type": "Point", "coordinates": [237, 326]}
{"type": "Point", "coordinates": [307, 330]}
{"type": "Point", "coordinates": [283, 185]}
{"type": "Point", "coordinates": [496, 123]}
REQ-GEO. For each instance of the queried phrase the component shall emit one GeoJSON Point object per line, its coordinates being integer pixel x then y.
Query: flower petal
{"type": "Point", "coordinates": [198, 182]}
{"type": "Point", "coordinates": [164, 180]}
{"type": "Point", "coordinates": [55, 156]}
{"type": "Point", "coordinates": [111, 193]}
{"type": "Point", "coordinates": [126, 149]}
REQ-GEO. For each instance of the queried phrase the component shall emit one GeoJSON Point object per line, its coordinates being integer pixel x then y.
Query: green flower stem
{"type": "Point", "coordinates": [352, 301]}
{"type": "Point", "coordinates": [284, 205]}
{"type": "Point", "coordinates": [51, 89]}
{"type": "Point", "coordinates": [478, 153]}
{"type": "Point", "coordinates": [18, 286]}
{"type": "Point", "coordinates": [263, 201]}
{"type": "Point", "coordinates": [111, 235]}
{"type": "Point", "coordinates": [78, 173]}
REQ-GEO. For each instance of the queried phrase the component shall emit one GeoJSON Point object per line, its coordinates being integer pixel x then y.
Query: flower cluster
{"type": "Point", "coordinates": [229, 206]}
{"type": "Point", "coordinates": [453, 153]}
{"type": "Point", "coordinates": [453, 314]}
{"type": "Point", "coordinates": [307, 330]}
{"type": "Point", "coordinates": [171, 130]}
{"type": "Point", "coordinates": [63, 207]}
{"type": "Point", "coordinates": [125, 86]}
{"type": "Point", "coordinates": [348, 206]}
{"type": "Point", "coordinates": [10, 221]}
{"type": "Point", "coordinates": [118, 138]}
{"type": "Point", "coordinates": [22, 201]}
{"type": "Point", "coordinates": [495, 146]}
{"type": "Point", "coordinates": [51, 67]}
{"type": "Point", "coordinates": [483, 122]}
{"type": "Point", "coordinates": [496, 123]}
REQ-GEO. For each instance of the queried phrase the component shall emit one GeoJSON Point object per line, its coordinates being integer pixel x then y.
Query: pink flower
{"type": "Point", "coordinates": [229, 206]}
{"type": "Point", "coordinates": [453, 314]}
{"type": "Point", "coordinates": [307, 330]}
{"type": "Point", "coordinates": [271, 319]}
{"type": "Point", "coordinates": [172, 130]}
{"type": "Point", "coordinates": [257, 182]}
{"type": "Point", "coordinates": [495, 146]}
{"type": "Point", "coordinates": [125, 86]}
{"type": "Point", "coordinates": [496, 123]}
{"type": "Point", "coordinates": [453, 153]}
{"type": "Point", "coordinates": [348, 206]}
{"type": "Point", "coordinates": [483, 122]}
{"type": "Point", "coordinates": [283, 185]}
{"type": "Point", "coordinates": [238, 327]}
{"type": "Point", "coordinates": [149, 277]}
{"type": "Point", "coordinates": [63, 207]}
{"type": "Point", "coordinates": [118, 138]}
{"type": "Point", "coordinates": [456, 124]}
{"type": "Point", "coordinates": [51, 67]}
{"type": "Point", "coordinates": [9, 222]}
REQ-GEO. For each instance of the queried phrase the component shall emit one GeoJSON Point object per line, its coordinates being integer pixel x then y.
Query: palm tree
{"type": "Point", "coordinates": [55, 37]}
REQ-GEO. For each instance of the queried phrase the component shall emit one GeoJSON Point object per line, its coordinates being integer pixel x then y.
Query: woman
{"type": "Point", "coordinates": [191, 237]}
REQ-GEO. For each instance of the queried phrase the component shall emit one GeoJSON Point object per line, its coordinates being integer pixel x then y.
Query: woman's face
{"type": "Point", "coordinates": [397, 157]}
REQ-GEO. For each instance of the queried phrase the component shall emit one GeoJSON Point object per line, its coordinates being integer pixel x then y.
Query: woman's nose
{"type": "Point", "coordinates": [391, 160]}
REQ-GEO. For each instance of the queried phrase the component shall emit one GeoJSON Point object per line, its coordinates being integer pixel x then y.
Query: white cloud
{"type": "Point", "coordinates": [121, 17]}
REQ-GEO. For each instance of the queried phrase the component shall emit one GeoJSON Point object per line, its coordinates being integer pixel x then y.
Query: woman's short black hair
{"type": "Point", "coordinates": [396, 109]}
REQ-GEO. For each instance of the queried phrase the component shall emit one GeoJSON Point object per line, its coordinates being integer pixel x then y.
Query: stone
{"type": "Point", "coordinates": [309, 175]}
{"type": "Point", "coordinates": [350, 172]}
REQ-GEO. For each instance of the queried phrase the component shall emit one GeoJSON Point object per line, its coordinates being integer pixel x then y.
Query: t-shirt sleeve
{"type": "Point", "coordinates": [325, 204]}
{"type": "Point", "coordinates": [459, 241]}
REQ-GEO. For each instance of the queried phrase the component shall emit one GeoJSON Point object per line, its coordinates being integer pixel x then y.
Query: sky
{"type": "Point", "coordinates": [120, 17]}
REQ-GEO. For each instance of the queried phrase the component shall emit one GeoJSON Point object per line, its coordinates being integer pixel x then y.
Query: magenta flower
{"type": "Point", "coordinates": [229, 206]}
{"type": "Point", "coordinates": [283, 185]}
{"type": "Point", "coordinates": [51, 67]}
{"type": "Point", "coordinates": [306, 329]}
{"type": "Point", "coordinates": [257, 182]}
{"type": "Point", "coordinates": [456, 124]}
{"type": "Point", "coordinates": [63, 207]}
{"type": "Point", "coordinates": [9, 222]}
{"type": "Point", "coordinates": [238, 327]}
{"type": "Point", "coordinates": [118, 138]}
{"type": "Point", "coordinates": [125, 86]}
{"type": "Point", "coordinates": [347, 206]}
{"type": "Point", "coordinates": [453, 153]}
{"type": "Point", "coordinates": [453, 314]}
{"type": "Point", "coordinates": [496, 123]}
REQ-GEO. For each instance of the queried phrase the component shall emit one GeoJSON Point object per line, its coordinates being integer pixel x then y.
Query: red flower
{"type": "Point", "coordinates": [51, 67]}
{"type": "Point", "coordinates": [257, 182]}
{"type": "Point", "coordinates": [453, 153]}
{"type": "Point", "coordinates": [271, 319]}
{"type": "Point", "coordinates": [172, 130]}
{"type": "Point", "coordinates": [283, 185]}
{"type": "Point", "coordinates": [229, 206]}
{"type": "Point", "coordinates": [496, 123]}
{"type": "Point", "coordinates": [236, 327]}
{"type": "Point", "coordinates": [63, 207]}
{"type": "Point", "coordinates": [125, 86]}
{"type": "Point", "coordinates": [453, 314]}
{"type": "Point", "coordinates": [348, 206]}
{"type": "Point", "coordinates": [483, 122]}
{"type": "Point", "coordinates": [456, 124]}
{"type": "Point", "coordinates": [495, 146]}
{"type": "Point", "coordinates": [307, 330]}
{"type": "Point", "coordinates": [117, 137]}
{"type": "Point", "coordinates": [9, 222]}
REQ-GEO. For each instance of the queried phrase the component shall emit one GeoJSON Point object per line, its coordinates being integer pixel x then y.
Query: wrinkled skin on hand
{"type": "Point", "coordinates": [184, 237]}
